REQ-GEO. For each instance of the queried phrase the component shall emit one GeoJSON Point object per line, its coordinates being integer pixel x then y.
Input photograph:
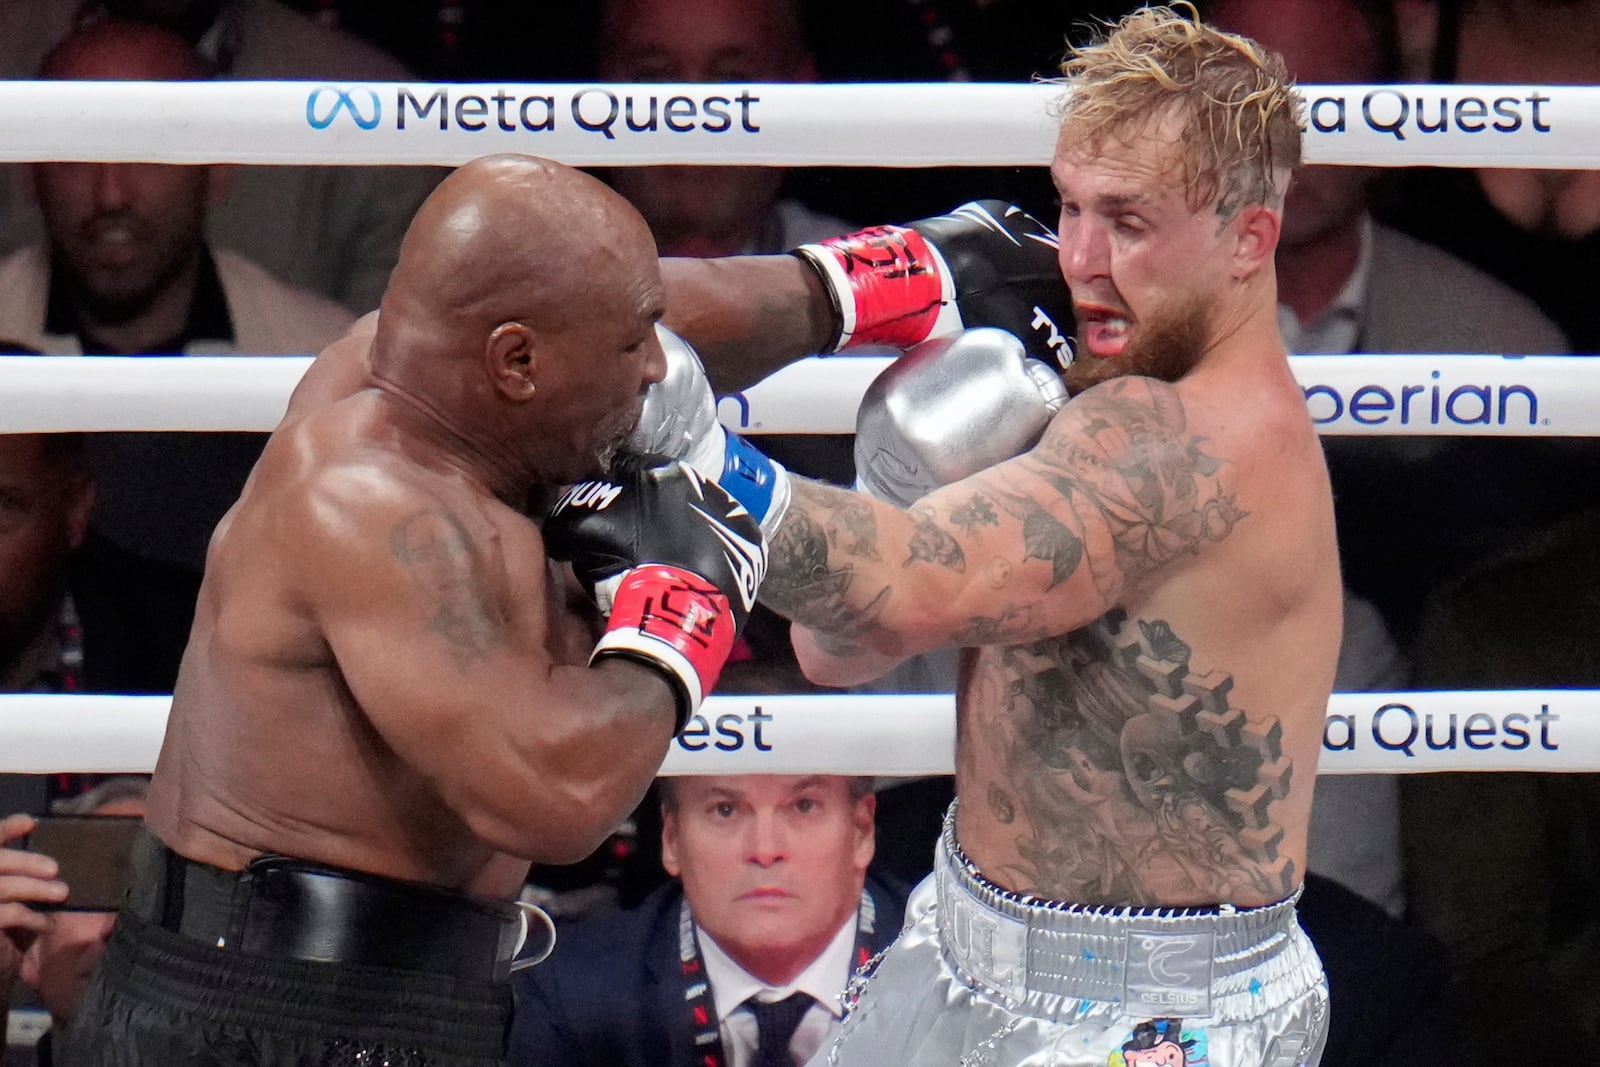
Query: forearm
{"type": "Point", "coordinates": [548, 781]}
{"type": "Point", "coordinates": [829, 659]}
{"type": "Point", "coordinates": [862, 572]}
{"type": "Point", "coordinates": [747, 316]}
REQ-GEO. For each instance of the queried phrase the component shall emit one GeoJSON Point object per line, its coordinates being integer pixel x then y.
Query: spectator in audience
{"type": "Point", "coordinates": [333, 229]}
{"type": "Point", "coordinates": [744, 956]}
{"type": "Point", "coordinates": [1347, 283]}
{"type": "Point", "coordinates": [711, 211]}
{"type": "Point", "coordinates": [1536, 230]}
{"type": "Point", "coordinates": [127, 270]}
{"type": "Point", "coordinates": [53, 952]}
{"type": "Point", "coordinates": [1503, 867]}
{"type": "Point", "coordinates": [76, 613]}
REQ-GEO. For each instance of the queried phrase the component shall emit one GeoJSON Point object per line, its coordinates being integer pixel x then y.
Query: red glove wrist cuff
{"type": "Point", "coordinates": [890, 285]}
{"type": "Point", "coordinates": [675, 620]}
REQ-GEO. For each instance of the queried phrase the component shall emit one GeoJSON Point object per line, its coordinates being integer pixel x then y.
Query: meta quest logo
{"type": "Point", "coordinates": [591, 109]}
{"type": "Point", "coordinates": [326, 103]}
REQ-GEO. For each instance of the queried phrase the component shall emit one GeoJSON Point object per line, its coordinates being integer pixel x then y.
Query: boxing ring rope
{"type": "Point", "coordinates": [1431, 395]}
{"type": "Point", "coordinates": [911, 734]}
{"type": "Point", "coordinates": [859, 124]}
{"type": "Point", "coordinates": [909, 125]}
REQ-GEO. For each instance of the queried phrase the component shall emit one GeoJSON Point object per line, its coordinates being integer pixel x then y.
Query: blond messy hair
{"type": "Point", "coordinates": [1239, 114]}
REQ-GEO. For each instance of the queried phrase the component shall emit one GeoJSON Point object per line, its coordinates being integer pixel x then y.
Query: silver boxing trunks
{"type": "Point", "coordinates": [982, 977]}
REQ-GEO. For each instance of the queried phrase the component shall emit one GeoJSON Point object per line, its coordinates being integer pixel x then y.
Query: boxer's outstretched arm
{"type": "Point", "coordinates": [747, 316]}
{"type": "Point", "coordinates": [1031, 548]}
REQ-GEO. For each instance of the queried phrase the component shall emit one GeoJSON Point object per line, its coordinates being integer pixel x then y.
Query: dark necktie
{"type": "Point", "coordinates": [775, 1026]}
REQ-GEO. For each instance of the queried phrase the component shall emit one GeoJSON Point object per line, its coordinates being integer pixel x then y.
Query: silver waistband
{"type": "Point", "coordinates": [1151, 961]}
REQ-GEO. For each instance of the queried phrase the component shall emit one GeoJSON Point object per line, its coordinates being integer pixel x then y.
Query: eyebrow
{"type": "Point", "coordinates": [1112, 203]}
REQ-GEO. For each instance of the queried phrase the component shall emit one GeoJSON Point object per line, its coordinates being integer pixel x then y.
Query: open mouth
{"type": "Point", "coordinates": [1104, 330]}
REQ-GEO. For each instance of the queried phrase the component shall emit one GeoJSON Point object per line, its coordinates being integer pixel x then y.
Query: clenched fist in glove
{"type": "Point", "coordinates": [949, 408]}
{"type": "Point", "coordinates": [679, 420]}
{"type": "Point", "coordinates": [673, 561]}
{"type": "Point", "coordinates": [987, 263]}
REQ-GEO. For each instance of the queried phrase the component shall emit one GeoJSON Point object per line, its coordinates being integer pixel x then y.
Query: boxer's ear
{"type": "Point", "coordinates": [511, 358]}
{"type": "Point", "coordinates": [1255, 238]}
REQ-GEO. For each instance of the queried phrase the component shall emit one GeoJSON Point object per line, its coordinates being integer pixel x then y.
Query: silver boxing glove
{"type": "Point", "coordinates": [679, 417]}
{"type": "Point", "coordinates": [948, 408]}
{"type": "Point", "coordinates": [679, 421]}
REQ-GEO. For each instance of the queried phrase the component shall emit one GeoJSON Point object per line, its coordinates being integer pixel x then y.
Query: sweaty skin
{"type": "Point", "coordinates": [1149, 597]}
{"type": "Point", "coordinates": [383, 673]}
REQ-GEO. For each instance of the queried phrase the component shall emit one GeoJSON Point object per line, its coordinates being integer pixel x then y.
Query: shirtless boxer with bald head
{"type": "Point", "coordinates": [387, 708]}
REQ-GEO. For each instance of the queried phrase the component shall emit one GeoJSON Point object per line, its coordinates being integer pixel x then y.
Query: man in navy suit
{"type": "Point", "coordinates": [742, 959]}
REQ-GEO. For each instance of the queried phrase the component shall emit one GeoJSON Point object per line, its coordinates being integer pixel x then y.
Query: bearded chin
{"type": "Point", "coordinates": [1164, 346]}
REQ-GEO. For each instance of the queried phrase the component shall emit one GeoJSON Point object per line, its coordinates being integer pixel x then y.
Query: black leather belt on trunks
{"type": "Point", "coordinates": [292, 909]}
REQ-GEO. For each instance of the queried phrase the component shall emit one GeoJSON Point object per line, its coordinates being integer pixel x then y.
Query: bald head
{"type": "Point", "coordinates": [526, 290]}
{"type": "Point", "coordinates": [518, 237]}
{"type": "Point", "coordinates": [123, 50]}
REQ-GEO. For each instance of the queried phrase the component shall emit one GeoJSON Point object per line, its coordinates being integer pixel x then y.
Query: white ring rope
{"type": "Point", "coordinates": [857, 124]}
{"type": "Point", "coordinates": [1457, 395]}
{"type": "Point", "coordinates": [1365, 733]}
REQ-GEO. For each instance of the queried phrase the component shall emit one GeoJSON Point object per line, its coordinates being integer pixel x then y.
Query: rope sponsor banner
{"type": "Point", "coordinates": [1421, 395]}
{"type": "Point", "coordinates": [858, 124]}
{"type": "Point", "coordinates": [910, 734]}
{"type": "Point", "coordinates": [1454, 395]}
{"type": "Point", "coordinates": [582, 125]}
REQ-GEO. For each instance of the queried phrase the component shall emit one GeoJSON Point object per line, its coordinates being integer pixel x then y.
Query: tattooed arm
{"type": "Point", "coordinates": [1037, 546]}
{"type": "Point", "coordinates": [447, 633]}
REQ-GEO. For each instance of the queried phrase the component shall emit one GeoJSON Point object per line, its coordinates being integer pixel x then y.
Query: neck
{"type": "Point", "coordinates": [481, 455]}
{"type": "Point", "coordinates": [777, 969]}
{"type": "Point", "coordinates": [157, 320]}
{"type": "Point", "coordinates": [1311, 275]}
{"type": "Point", "coordinates": [1248, 327]}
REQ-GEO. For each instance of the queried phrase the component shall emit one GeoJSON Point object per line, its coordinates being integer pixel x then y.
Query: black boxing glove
{"type": "Point", "coordinates": [987, 263]}
{"type": "Point", "coordinates": [671, 559]}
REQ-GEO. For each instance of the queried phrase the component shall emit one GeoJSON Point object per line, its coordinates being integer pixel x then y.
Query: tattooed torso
{"type": "Point", "coordinates": [1104, 767]}
{"type": "Point", "coordinates": [1153, 613]}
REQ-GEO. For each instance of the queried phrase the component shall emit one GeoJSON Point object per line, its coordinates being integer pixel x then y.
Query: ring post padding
{"type": "Point", "coordinates": [924, 124]}
{"type": "Point", "coordinates": [1556, 730]}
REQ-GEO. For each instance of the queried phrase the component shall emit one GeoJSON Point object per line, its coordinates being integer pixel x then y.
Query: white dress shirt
{"type": "Point", "coordinates": [1337, 329]}
{"type": "Point", "coordinates": [824, 979]}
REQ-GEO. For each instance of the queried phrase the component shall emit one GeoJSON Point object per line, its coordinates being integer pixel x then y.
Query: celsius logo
{"type": "Point", "coordinates": [342, 100]}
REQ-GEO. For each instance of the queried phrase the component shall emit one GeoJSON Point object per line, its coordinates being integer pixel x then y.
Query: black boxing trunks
{"type": "Point", "coordinates": [294, 964]}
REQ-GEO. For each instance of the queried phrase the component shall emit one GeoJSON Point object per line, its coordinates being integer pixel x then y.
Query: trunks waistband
{"type": "Point", "coordinates": [291, 909]}
{"type": "Point", "coordinates": [1153, 961]}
